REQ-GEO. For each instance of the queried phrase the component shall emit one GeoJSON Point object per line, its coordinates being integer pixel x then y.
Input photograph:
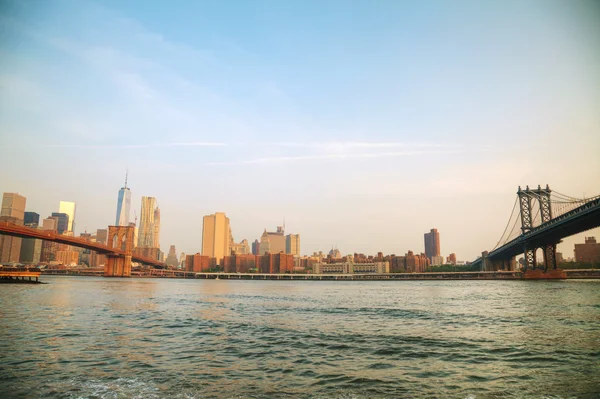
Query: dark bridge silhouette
{"type": "Point", "coordinates": [555, 218]}
{"type": "Point", "coordinates": [118, 251]}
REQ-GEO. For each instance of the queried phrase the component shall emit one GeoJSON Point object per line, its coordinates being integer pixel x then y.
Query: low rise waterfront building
{"type": "Point", "coordinates": [348, 266]}
{"type": "Point", "coordinates": [589, 252]}
{"type": "Point", "coordinates": [199, 263]}
{"type": "Point", "coordinates": [242, 263]}
{"type": "Point", "coordinates": [275, 263]}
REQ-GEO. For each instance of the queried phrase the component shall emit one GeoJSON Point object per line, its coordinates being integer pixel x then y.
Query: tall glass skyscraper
{"type": "Point", "coordinates": [149, 232]}
{"type": "Point", "coordinates": [123, 205]}
{"type": "Point", "coordinates": [68, 208]}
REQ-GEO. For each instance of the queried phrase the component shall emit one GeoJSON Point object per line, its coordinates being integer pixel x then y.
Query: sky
{"type": "Point", "coordinates": [362, 124]}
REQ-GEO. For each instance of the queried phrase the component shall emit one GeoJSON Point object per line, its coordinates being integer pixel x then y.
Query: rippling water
{"type": "Point", "coordinates": [81, 337]}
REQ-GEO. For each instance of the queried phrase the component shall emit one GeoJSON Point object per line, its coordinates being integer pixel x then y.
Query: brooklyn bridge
{"type": "Point", "coordinates": [119, 249]}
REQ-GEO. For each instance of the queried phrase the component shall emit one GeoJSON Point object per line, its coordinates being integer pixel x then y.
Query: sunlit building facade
{"type": "Point", "coordinates": [13, 211]}
{"type": "Point", "coordinates": [292, 244]}
{"type": "Point", "coordinates": [68, 208]}
{"type": "Point", "coordinates": [216, 236]}
{"type": "Point", "coordinates": [148, 233]}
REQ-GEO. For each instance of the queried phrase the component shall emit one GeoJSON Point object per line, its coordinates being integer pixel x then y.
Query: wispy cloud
{"type": "Point", "coordinates": [332, 157]}
{"type": "Point", "coordinates": [134, 146]}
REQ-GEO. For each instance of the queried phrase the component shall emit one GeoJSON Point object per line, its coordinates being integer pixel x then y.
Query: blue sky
{"type": "Point", "coordinates": [363, 124]}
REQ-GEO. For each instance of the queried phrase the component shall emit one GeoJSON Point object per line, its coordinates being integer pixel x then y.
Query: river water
{"type": "Point", "coordinates": [84, 337]}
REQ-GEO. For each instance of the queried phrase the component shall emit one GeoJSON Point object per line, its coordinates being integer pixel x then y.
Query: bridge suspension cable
{"type": "Point", "coordinates": [507, 223]}
{"type": "Point", "coordinates": [562, 203]}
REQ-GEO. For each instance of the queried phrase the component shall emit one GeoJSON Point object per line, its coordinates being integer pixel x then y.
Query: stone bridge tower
{"type": "Point", "coordinates": [121, 239]}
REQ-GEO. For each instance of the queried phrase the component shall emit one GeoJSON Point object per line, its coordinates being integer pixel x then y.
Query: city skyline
{"type": "Point", "coordinates": [430, 116]}
{"type": "Point", "coordinates": [152, 237]}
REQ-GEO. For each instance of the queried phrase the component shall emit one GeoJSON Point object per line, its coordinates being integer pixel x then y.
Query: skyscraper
{"type": "Point", "coordinates": [215, 236]}
{"type": "Point", "coordinates": [13, 211]}
{"type": "Point", "coordinates": [62, 224]}
{"type": "Point", "coordinates": [172, 257]}
{"type": "Point", "coordinates": [432, 244]}
{"type": "Point", "coordinates": [123, 205]}
{"type": "Point", "coordinates": [13, 205]}
{"type": "Point", "coordinates": [292, 244]}
{"type": "Point", "coordinates": [148, 227]}
{"type": "Point", "coordinates": [156, 236]}
{"type": "Point", "coordinates": [69, 209]}
{"type": "Point", "coordinates": [273, 242]}
{"type": "Point", "coordinates": [31, 219]}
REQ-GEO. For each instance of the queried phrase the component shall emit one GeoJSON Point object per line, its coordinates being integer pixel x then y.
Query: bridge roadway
{"type": "Point", "coordinates": [14, 230]}
{"type": "Point", "coordinates": [580, 219]}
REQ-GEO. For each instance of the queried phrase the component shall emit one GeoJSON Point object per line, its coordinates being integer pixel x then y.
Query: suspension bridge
{"type": "Point", "coordinates": [540, 219]}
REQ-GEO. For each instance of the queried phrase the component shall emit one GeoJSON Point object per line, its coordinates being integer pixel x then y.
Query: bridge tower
{"type": "Point", "coordinates": [542, 195]}
{"type": "Point", "coordinates": [119, 238]}
{"type": "Point", "coordinates": [527, 224]}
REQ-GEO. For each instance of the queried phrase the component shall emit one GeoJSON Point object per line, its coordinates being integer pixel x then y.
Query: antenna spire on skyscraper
{"type": "Point", "coordinates": [126, 175]}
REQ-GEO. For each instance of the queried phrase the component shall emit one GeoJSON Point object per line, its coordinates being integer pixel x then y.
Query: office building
{"type": "Point", "coordinates": [272, 242]}
{"type": "Point", "coordinates": [451, 259]}
{"type": "Point", "coordinates": [292, 244]}
{"type": "Point", "coordinates": [31, 219]}
{"type": "Point", "coordinates": [432, 244]}
{"type": "Point", "coordinates": [13, 205]}
{"type": "Point", "coordinates": [62, 225]}
{"type": "Point", "coordinates": [123, 205]}
{"type": "Point", "coordinates": [172, 257]}
{"type": "Point", "coordinates": [31, 251]}
{"type": "Point", "coordinates": [49, 224]}
{"type": "Point", "coordinates": [156, 236]}
{"type": "Point", "coordinates": [241, 248]}
{"type": "Point", "coordinates": [12, 211]}
{"type": "Point", "coordinates": [49, 248]}
{"type": "Point", "coordinates": [256, 247]}
{"type": "Point", "coordinates": [216, 236]}
{"type": "Point", "coordinates": [69, 209]}
{"type": "Point", "coordinates": [589, 252]}
{"type": "Point", "coordinates": [149, 226]}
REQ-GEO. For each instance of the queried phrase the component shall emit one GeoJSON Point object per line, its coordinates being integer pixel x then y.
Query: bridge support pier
{"type": "Point", "coordinates": [121, 238]}
{"type": "Point", "coordinates": [117, 266]}
{"type": "Point", "coordinates": [550, 257]}
{"type": "Point", "coordinates": [530, 259]}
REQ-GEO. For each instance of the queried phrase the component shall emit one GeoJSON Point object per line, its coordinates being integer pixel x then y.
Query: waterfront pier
{"type": "Point", "coordinates": [20, 275]}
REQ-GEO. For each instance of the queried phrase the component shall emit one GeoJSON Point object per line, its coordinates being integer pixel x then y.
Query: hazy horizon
{"type": "Point", "coordinates": [361, 126]}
